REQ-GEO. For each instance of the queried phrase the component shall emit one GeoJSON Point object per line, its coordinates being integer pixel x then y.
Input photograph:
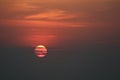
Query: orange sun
{"type": "Point", "coordinates": [40, 51]}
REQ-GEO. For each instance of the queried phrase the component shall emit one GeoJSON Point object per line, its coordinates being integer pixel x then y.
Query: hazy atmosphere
{"type": "Point", "coordinates": [82, 38]}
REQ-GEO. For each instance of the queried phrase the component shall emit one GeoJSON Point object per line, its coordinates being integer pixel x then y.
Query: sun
{"type": "Point", "coordinates": [40, 51]}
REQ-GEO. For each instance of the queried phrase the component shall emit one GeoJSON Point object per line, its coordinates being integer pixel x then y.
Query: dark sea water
{"type": "Point", "coordinates": [80, 63]}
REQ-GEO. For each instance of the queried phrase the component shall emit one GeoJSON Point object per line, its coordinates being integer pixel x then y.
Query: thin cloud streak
{"type": "Point", "coordinates": [36, 23]}
{"type": "Point", "coordinates": [52, 15]}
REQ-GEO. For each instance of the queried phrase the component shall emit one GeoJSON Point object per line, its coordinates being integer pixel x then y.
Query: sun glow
{"type": "Point", "coordinates": [41, 46]}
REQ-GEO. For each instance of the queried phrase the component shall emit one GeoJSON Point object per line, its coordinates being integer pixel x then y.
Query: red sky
{"type": "Point", "coordinates": [52, 22]}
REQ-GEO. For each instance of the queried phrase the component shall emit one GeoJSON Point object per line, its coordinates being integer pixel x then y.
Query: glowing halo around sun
{"type": "Point", "coordinates": [40, 51]}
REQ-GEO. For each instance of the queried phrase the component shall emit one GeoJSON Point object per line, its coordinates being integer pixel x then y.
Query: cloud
{"type": "Point", "coordinates": [52, 15]}
{"type": "Point", "coordinates": [75, 13]}
{"type": "Point", "coordinates": [33, 23]}
{"type": "Point", "coordinates": [23, 7]}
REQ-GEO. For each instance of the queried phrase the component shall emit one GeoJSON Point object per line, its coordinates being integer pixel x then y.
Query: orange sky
{"type": "Point", "coordinates": [32, 22]}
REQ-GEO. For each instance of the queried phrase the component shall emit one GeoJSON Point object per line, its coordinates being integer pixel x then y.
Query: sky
{"type": "Point", "coordinates": [59, 22]}
{"type": "Point", "coordinates": [82, 38]}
